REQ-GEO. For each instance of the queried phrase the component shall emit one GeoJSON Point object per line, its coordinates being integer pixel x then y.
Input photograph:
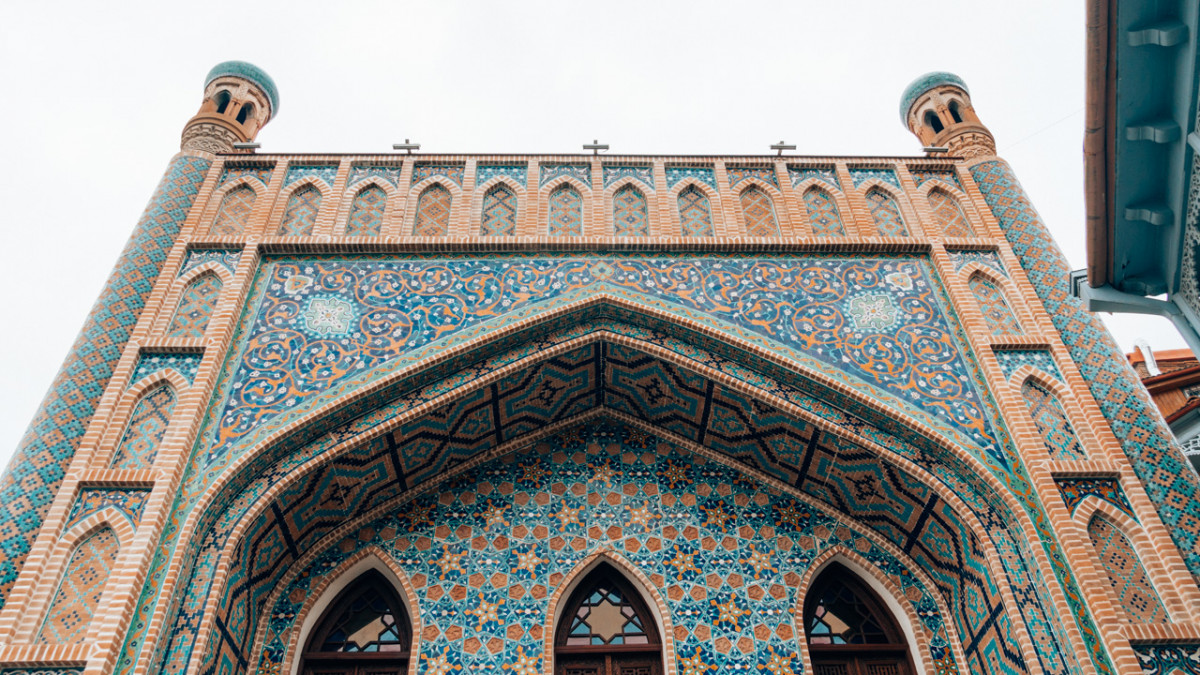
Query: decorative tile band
{"type": "Point", "coordinates": [580, 172]}
{"type": "Point", "coordinates": [1075, 490]}
{"type": "Point", "coordinates": [1012, 359]}
{"type": "Point", "coordinates": [799, 174]}
{"type": "Point", "coordinates": [31, 481]}
{"type": "Point", "coordinates": [453, 172]}
{"type": "Point", "coordinates": [486, 172]}
{"type": "Point", "coordinates": [323, 172]}
{"type": "Point", "coordinates": [129, 501]}
{"type": "Point", "coordinates": [645, 174]}
{"type": "Point", "coordinates": [391, 174]}
{"type": "Point", "coordinates": [1135, 421]}
{"type": "Point", "coordinates": [989, 259]}
{"type": "Point", "coordinates": [185, 364]}
{"type": "Point", "coordinates": [704, 174]}
{"type": "Point", "coordinates": [224, 257]}
{"type": "Point", "coordinates": [738, 174]}
{"type": "Point", "coordinates": [861, 176]}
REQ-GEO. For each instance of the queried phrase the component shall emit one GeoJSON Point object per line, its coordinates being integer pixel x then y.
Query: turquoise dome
{"type": "Point", "coordinates": [247, 71]}
{"type": "Point", "coordinates": [923, 84]}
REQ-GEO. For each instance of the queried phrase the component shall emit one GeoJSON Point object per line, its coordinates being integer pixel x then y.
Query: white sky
{"type": "Point", "coordinates": [96, 95]}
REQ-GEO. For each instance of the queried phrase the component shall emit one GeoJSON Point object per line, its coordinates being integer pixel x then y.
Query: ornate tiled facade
{"type": "Point", "coordinates": [710, 374]}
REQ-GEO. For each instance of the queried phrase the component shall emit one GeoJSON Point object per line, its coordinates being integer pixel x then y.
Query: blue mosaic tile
{"type": "Point", "coordinates": [860, 176]}
{"type": "Point", "coordinates": [326, 173]}
{"type": "Point", "coordinates": [580, 172]}
{"type": "Point", "coordinates": [1012, 359]}
{"type": "Point", "coordinates": [645, 174]}
{"type": "Point", "coordinates": [32, 479]}
{"type": "Point", "coordinates": [704, 174]}
{"type": "Point", "coordinates": [486, 172]}
{"type": "Point", "coordinates": [186, 364]}
{"type": "Point", "coordinates": [199, 256]}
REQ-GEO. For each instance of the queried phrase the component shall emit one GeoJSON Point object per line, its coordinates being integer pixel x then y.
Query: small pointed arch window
{"type": "Point", "coordinates": [758, 213]}
{"type": "Point", "coordinates": [301, 213]}
{"type": "Point", "coordinates": [566, 212]}
{"type": "Point", "coordinates": [886, 213]}
{"type": "Point", "coordinates": [195, 307]}
{"type": "Point", "coordinates": [499, 217]}
{"type": "Point", "coordinates": [948, 214]}
{"type": "Point", "coordinates": [234, 213]}
{"type": "Point", "coordinates": [1131, 586]}
{"type": "Point", "coordinates": [997, 314]}
{"type": "Point", "coordinates": [695, 212]}
{"type": "Point", "coordinates": [850, 631]}
{"type": "Point", "coordinates": [222, 100]}
{"type": "Point", "coordinates": [823, 213]}
{"type": "Point", "coordinates": [144, 431]}
{"type": "Point", "coordinates": [433, 212]}
{"type": "Point", "coordinates": [80, 588]}
{"type": "Point", "coordinates": [631, 217]}
{"type": "Point", "coordinates": [1052, 422]}
{"type": "Point", "coordinates": [955, 112]}
{"type": "Point", "coordinates": [365, 631]}
{"type": "Point", "coordinates": [933, 121]}
{"type": "Point", "coordinates": [606, 629]}
{"type": "Point", "coordinates": [366, 212]}
{"type": "Point", "coordinates": [247, 112]}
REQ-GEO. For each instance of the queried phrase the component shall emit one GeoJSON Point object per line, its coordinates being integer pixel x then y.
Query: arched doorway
{"type": "Point", "coordinates": [850, 631]}
{"type": "Point", "coordinates": [606, 629]}
{"type": "Point", "coordinates": [365, 631]}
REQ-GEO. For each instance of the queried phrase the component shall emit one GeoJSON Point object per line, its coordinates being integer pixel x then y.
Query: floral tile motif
{"type": "Point", "coordinates": [580, 172]}
{"type": "Point", "coordinates": [323, 172]}
{"type": "Point", "coordinates": [1012, 359]}
{"type": "Point", "coordinates": [453, 172]}
{"type": "Point", "coordinates": [227, 258]}
{"type": "Point", "coordinates": [738, 174]}
{"type": "Point", "coordinates": [828, 174]}
{"type": "Point", "coordinates": [861, 176]}
{"type": "Point", "coordinates": [1075, 490]}
{"type": "Point", "coordinates": [989, 259]}
{"type": "Point", "coordinates": [704, 174]}
{"type": "Point", "coordinates": [128, 501]}
{"type": "Point", "coordinates": [388, 174]}
{"type": "Point", "coordinates": [186, 364]}
{"type": "Point", "coordinates": [643, 174]}
{"type": "Point", "coordinates": [516, 172]}
{"type": "Point", "coordinates": [235, 171]}
{"type": "Point", "coordinates": [1169, 659]}
{"type": "Point", "coordinates": [922, 175]}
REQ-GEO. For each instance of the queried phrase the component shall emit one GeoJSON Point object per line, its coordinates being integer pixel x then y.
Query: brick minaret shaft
{"type": "Point", "coordinates": [238, 100]}
{"type": "Point", "coordinates": [937, 109]}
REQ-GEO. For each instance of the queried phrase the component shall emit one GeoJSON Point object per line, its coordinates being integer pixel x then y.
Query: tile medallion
{"type": "Point", "coordinates": [704, 174]}
{"type": "Point", "coordinates": [517, 172]}
{"type": "Point", "coordinates": [738, 174]}
{"type": "Point", "coordinates": [186, 364]}
{"type": "Point", "coordinates": [1075, 490]}
{"type": "Point", "coordinates": [389, 174]}
{"type": "Point", "coordinates": [861, 176]}
{"type": "Point", "coordinates": [326, 173]}
{"type": "Point", "coordinates": [642, 174]}
{"type": "Point", "coordinates": [128, 501]}
{"type": "Point", "coordinates": [453, 172]}
{"type": "Point", "coordinates": [580, 172]}
{"type": "Point", "coordinates": [227, 258]}
{"type": "Point", "coordinates": [826, 174]}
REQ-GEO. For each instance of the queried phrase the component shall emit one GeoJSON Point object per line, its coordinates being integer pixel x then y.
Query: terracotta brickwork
{"type": "Point", "coordinates": [481, 376]}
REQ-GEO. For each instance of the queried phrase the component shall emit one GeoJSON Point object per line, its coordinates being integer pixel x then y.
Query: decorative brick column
{"type": "Point", "coordinates": [31, 481]}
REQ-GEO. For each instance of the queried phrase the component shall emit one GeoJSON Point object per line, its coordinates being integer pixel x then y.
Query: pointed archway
{"type": "Point", "coordinates": [607, 629]}
{"type": "Point", "coordinates": [850, 630]}
{"type": "Point", "coordinates": [365, 631]}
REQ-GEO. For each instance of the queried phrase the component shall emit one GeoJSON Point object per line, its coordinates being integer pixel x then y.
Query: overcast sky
{"type": "Point", "coordinates": [96, 95]}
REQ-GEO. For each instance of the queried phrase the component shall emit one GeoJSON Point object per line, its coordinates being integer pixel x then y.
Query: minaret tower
{"type": "Point", "coordinates": [239, 99]}
{"type": "Point", "coordinates": [937, 108]}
